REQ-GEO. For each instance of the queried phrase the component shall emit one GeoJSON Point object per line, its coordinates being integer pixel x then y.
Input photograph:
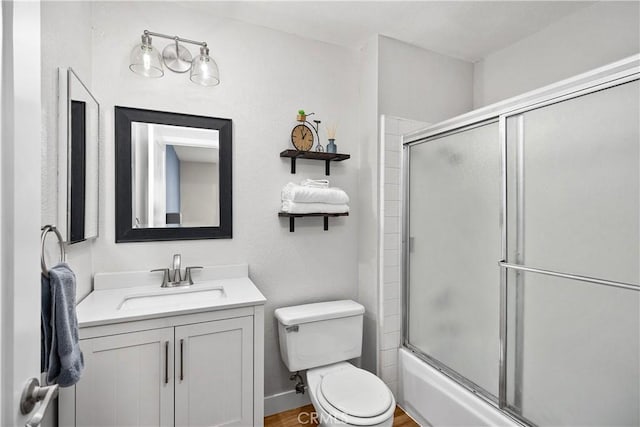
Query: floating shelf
{"type": "Point", "coordinates": [293, 216]}
{"type": "Point", "coordinates": [314, 155]}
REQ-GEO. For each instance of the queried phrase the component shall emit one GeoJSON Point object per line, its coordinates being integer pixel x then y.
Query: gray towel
{"type": "Point", "coordinates": [62, 359]}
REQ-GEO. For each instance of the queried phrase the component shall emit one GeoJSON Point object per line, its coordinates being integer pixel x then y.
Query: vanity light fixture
{"type": "Point", "coordinates": [147, 61]}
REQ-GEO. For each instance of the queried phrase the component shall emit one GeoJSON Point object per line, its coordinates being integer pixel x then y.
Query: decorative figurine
{"type": "Point", "coordinates": [319, 148]}
{"type": "Point", "coordinates": [302, 136]}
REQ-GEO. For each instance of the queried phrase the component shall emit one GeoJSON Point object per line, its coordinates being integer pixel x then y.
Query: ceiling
{"type": "Point", "coordinates": [468, 30]}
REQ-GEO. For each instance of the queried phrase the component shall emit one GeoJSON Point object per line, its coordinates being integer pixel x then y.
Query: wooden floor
{"type": "Point", "coordinates": [302, 416]}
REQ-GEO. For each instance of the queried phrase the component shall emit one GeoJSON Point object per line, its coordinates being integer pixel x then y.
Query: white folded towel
{"type": "Point", "coordinates": [317, 183]}
{"type": "Point", "coordinates": [305, 208]}
{"type": "Point", "coordinates": [305, 194]}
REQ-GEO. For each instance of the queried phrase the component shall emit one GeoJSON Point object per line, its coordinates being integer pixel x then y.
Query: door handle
{"type": "Point", "coordinates": [181, 359]}
{"type": "Point", "coordinates": [166, 362]}
{"type": "Point", "coordinates": [32, 394]}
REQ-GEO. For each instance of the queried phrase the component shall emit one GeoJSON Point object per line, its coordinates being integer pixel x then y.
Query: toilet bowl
{"type": "Point", "coordinates": [343, 394]}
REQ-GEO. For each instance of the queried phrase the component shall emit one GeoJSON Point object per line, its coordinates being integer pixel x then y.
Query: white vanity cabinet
{"type": "Point", "coordinates": [126, 381]}
{"type": "Point", "coordinates": [214, 373]}
{"type": "Point", "coordinates": [199, 372]}
{"type": "Point", "coordinates": [175, 363]}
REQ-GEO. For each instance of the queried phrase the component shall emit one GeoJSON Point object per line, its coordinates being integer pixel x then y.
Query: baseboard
{"type": "Point", "coordinates": [284, 401]}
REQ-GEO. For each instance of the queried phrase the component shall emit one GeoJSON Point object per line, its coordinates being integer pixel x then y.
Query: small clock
{"type": "Point", "coordinates": [302, 137]}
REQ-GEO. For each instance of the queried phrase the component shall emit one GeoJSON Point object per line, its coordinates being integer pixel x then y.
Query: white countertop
{"type": "Point", "coordinates": [104, 305]}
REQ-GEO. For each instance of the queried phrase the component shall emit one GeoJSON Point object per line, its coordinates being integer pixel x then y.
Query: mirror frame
{"type": "Point", "coordinates": [125, 232]}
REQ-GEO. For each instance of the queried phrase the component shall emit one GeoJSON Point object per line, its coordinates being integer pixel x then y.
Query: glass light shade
{"type": "Point", "coordinates": [146, 60]}
{"type": "Point", "coordinates": [204, 70]}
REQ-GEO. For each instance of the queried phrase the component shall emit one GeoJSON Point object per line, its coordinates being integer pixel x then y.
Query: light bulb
{"type": "Point", "coordinates": [204, 70]}
{"type": "Point", "coordinates": [146, 61]}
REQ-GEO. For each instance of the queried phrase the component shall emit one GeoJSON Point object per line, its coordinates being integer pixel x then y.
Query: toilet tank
{"type": "Point", "coordinates": [313, 335]}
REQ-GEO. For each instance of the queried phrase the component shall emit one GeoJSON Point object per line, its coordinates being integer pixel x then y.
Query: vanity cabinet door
{"type": "Point", "coordinates": [127, 381]}
{"type": "Point", "coordinates": [214, 373]}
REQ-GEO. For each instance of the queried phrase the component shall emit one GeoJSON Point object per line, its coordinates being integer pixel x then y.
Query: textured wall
{"type": "Point", "coordinates": [421, 85]}
{"type": "Point", "coordinates": [368, 201]}
{"type": "Point", "coordinates": [590, 38]}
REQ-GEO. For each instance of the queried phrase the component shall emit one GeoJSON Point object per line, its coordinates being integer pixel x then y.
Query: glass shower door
{"type": "Point", "coordinates": [454, 229]}
{"type": "Point", "coordinates": [573, 189]}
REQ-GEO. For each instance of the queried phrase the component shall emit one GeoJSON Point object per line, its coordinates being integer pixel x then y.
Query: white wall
{"type": "Point", "coordinates": [368, 201]}
{"type": "Point", "coordinates": [266, 77]}
{"type": "Point", "coordinates": [421, 85]}
{"type": "Point", "coordinates": [199, 189]}
{"type": "Point", "coordinates": [592, 37]}
{"type": "Point", "coordinates": [63, 45]}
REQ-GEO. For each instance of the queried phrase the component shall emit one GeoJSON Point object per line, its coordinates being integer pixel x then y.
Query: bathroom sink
{"type": "Point", "coordinates": [137, 295]}
{"type": "Point", "coordinates": [172, 298]}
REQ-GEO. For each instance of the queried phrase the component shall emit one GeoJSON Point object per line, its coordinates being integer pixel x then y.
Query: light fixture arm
{"type": "Point", "coordinates": [176, 38]}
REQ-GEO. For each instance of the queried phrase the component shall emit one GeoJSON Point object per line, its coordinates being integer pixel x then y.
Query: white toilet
{"type": "Point", "coordinates": [321, 337]}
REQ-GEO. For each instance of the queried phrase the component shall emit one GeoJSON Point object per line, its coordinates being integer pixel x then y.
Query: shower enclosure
{"type": "Point", "coordinates": [522, 253]}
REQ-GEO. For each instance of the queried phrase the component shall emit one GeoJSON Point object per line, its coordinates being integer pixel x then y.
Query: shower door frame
{"type": "Point", "coordinates": [615, 74]}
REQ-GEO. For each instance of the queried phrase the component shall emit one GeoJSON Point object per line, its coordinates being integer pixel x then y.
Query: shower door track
{"type": "Point", "coordinates": [603, 78]}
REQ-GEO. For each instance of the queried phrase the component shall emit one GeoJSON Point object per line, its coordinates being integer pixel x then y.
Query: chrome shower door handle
{"type": "Point", "coordinates": [33, 394]}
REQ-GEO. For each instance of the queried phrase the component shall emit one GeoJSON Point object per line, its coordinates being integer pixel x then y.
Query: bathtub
{"type": "Point", "coordinates": [433, 399]}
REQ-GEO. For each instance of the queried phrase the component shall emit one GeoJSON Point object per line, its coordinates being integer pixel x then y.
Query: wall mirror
{"type": "Point", "coordinates": [173, 176]}
{"type": "Point", "coordinates": [78, 158]}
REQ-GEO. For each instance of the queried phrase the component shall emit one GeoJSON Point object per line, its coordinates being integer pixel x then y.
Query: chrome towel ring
{"type": "Point", "coordinates": [43, 237]}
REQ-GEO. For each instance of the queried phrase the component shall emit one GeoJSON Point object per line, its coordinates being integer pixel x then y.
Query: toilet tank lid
{"type": "Point", "coordinates": [318, 311]}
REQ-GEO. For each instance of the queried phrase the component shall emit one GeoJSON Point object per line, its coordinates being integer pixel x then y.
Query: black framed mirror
{"type": "Point", "coordinates": [173, 176]}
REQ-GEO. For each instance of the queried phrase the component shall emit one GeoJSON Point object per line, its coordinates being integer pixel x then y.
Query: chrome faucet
{"type": "Point", "coordinates": [177, 275]}
{"type": "Point", "coordinates": [172, 277]}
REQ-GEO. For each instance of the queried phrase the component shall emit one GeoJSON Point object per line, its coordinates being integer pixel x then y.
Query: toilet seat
{"type": "Point", "coordinates": [356, 392]}
{"type": "Point", "coordinates": [355, 396]}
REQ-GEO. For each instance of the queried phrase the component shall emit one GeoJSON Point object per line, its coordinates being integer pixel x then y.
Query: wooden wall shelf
{"type": "Point", "coordinates": [314, 155]}
{"type": "Point", "coordinates": [293, 216]}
